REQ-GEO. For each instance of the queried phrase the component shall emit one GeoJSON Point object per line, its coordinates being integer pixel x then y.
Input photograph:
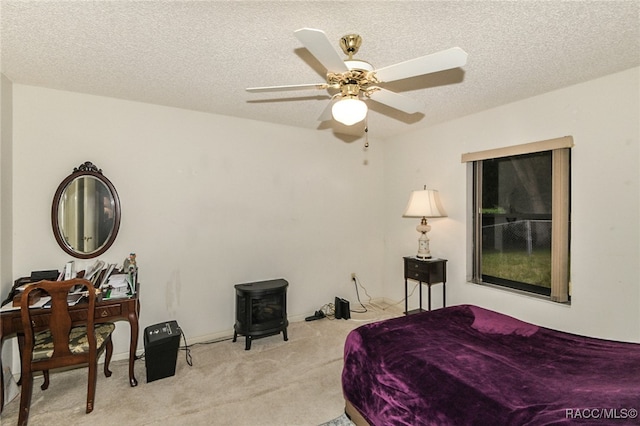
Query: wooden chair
{"type": "Point", "coordinates": [58, 342]}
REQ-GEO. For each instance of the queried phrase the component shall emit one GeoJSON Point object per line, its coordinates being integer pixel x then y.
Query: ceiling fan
{"type": "Point", "coordinates": [357, 80]}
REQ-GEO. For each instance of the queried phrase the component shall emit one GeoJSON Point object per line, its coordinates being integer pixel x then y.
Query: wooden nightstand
{"type": "Point", "coordinates": [429, 272]}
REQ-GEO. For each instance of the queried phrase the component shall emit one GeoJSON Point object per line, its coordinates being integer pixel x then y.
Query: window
{"type": "Point", "coordinates": [521, 213]}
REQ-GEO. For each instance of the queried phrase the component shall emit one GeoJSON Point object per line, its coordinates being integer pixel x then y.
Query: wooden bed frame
{"type": "Point", "coordinates": [354, 415]}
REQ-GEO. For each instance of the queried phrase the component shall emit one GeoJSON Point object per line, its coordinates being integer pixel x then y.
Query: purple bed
{"type": "Point", "coordinates": [466, 365]}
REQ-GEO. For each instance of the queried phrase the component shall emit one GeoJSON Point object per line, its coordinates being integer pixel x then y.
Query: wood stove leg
{"type": "Point", "coordinates": [284, 334]}
{"type": "Point", "coordinates": [235, 336]}
{"type": "Point", "coordinates": [247, 343]}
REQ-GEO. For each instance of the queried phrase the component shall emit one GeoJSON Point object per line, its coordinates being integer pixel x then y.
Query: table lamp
{"type": "Point", "coordinates": [424, 203]}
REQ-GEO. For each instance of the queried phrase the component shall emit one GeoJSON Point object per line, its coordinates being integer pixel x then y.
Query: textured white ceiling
{"type": "Point", "coordinates": [201, 55]}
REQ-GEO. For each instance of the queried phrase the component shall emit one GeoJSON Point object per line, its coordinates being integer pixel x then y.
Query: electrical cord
{"type": "Point", "coordinates": [358, 282]}
{"type": "Point", "coordinates": [187, 350]}
{"type": "Point", "coordinates": [409, 295]}
{"type": "Point", "coordinates": [208, 342]}
{"type": "Point", "coordinates": [355, 282]}
{"type": "Point", "coordinates": [329, 311]}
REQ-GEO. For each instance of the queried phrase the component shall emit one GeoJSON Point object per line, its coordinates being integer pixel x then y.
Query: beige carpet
{"type": "Point", "coordinates": [275, 383]}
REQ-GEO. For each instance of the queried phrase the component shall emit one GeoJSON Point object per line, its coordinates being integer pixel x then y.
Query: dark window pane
{"type": "Point", "coordinates": [520, 184]}
{"type": "Point", "coordinates": [516, 221]}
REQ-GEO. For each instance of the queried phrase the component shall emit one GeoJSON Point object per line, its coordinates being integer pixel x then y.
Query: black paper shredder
{"type": "Point", "coordinates": [161, 344]}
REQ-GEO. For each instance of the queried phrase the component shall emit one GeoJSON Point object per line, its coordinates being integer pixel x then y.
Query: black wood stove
{"type": "Point", "coordinates": [261, 310]}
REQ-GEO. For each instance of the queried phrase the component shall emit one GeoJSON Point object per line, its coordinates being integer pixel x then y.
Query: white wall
{"type": "Point", "coordinates": [210, 201]}
{"type": "Point", "coordinates": [207, 202]}
{"type": "Point", "coordinates": [6, 201]}
{"type": "Point", "coordinates": [602, 116]}
{"type": "Point", "coordinates": [6, 142]}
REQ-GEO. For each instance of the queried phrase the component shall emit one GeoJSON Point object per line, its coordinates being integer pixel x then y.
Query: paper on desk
{"type": "Point", "coordinates": [119, 281]}
{"type": "Point", "coordinates": [107, 274]}
{"type": "Point", "coordinates": [94, 269]}
{"type": "Point", "coordinates": [118, 286]}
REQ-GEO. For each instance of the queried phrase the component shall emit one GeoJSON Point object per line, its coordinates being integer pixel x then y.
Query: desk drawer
{"type": "Point", "coordinates": [78, 314]}
{"type": "Point", "coordinates": [419, 266]}
{"type": "Point", "coordinates": [102, 311]}
{"type": "Point", "coordinates": [427, 272]}
{"type": "Point", "coordinates": [108, 311]}
{"type": "Point", "coordinates": [419, 276]}
{"type": "Point", "coordinates": [37, 321]}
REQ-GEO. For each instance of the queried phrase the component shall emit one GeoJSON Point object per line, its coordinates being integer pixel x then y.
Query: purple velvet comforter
{"type": "Point", "coordinates": [466, 365]}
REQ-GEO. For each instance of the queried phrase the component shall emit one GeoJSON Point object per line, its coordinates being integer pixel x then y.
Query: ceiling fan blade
{"type": "Point", "coordinates": [327, 113]}
{"type": "Point", "coordinates": [318, 44]}
{"type": "Point", "coordinates": [288, 87]}
{"type": "Point", "coordinates": [440, 61]}
{"type": "Point", "coordinates": [399, 102]}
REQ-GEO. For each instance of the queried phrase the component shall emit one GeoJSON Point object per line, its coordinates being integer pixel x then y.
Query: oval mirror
{"type": "Point", "coordinates": [85, 214]}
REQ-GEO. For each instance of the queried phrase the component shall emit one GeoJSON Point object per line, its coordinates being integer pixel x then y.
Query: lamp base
{"type": "Point", "coordinates": [423, 243]}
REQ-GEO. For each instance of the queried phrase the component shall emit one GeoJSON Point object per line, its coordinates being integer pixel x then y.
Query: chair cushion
{"type": "Point", "coordinates": [78, 342]}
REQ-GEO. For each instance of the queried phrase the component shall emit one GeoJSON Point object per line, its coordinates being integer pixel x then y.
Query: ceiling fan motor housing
{"type": "Point", "coordinates": [350, 89]}
{"type": "Point", "coordinates": [359, 77]}
{"type": "Point", "coordinates": [350, 44]}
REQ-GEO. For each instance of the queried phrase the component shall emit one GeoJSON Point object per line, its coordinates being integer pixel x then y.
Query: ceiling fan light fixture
{"type": "Point", "coordinates": [349, 110]}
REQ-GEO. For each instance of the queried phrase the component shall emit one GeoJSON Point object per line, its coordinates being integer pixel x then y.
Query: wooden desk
{"type": "Point", "coordinates": [106, 311]}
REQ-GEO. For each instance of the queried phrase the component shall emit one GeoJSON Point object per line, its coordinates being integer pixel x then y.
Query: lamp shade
{"type": "Point", "coordinates": [349, 110]}
{"type": "Point", "coordinates": [424, 203]}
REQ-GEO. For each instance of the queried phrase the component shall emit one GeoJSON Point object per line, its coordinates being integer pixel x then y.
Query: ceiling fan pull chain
{"type": "Point", "coordinates": [366, 133]}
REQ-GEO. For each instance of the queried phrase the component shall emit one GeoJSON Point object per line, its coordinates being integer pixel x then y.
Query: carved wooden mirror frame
{"type": "Point", "coordinates": [85, 213]}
